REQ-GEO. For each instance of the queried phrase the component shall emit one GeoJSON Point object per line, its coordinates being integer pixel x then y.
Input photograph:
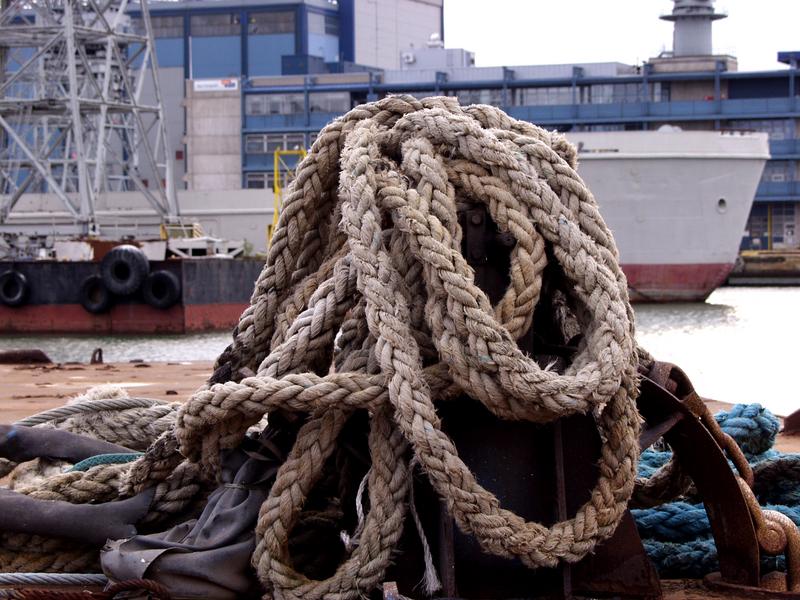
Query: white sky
{"type": "Point", "coordinates": [536, 32]}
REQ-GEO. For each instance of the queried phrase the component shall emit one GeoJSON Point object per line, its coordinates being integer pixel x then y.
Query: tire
{"type": "Point", "coordinates": [14, 288]}
{"type": "Point", "coordinates": [161, 289]}
{"type": "Point", "coordinates": [94, 296]}
{"type": "Point", "coordinates": [124, 270]}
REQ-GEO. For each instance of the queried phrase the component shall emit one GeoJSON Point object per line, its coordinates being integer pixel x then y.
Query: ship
{"type": "Point", "coordinates": [676, 201]}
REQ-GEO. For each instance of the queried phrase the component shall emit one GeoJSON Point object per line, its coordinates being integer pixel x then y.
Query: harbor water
{"type": "Point", "coordinates": [738, 346]}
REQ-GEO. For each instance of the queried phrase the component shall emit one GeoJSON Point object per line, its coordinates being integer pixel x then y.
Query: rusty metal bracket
{"type": "Point", "coordinates": [741, 528]}
{"type": "Point", "coordinates": [703, 460]}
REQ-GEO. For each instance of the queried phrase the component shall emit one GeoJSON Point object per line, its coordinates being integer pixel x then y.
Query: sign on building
{"type": "Point", "coordinates": [215, 85]}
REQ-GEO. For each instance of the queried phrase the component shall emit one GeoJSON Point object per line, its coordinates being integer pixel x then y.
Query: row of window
{"type": "Point", "coordinates": [778, 129]}
{"type": "Point", "coordinates": [219, 24]}
{"type": "Point", "coordinates": [259, 181]}
{"type": "Point", "coordinates": [267, 143]}
{"type": "Point", "coordinates": [323, 24]}
{"type": "Point", "coordinates": [265, 180]}
{"type": "Point", "coordinates": [778, 171]}
{"type": "Point", "coordinates": [339, 102]}
{"type": "Point", "coordinates": [777, 218]}
{"type": "Point", "coordinates": [293, 104]}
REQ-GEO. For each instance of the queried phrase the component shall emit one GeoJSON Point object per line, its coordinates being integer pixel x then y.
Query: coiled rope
{"type": "Point", "coordinates": [370, 254]}
{"type": "Point", "coordinates": [367, 304]}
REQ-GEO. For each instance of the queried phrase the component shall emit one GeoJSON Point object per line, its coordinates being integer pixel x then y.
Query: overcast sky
{"type": "Point", "coordinates": [529, 32]}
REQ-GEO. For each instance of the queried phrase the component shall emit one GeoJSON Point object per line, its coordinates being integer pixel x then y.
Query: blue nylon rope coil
{"type": "Point", "coordinates": [677, 536]}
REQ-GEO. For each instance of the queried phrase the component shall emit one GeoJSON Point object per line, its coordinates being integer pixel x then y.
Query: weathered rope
{"type": "Point", "coordinates": [682, 521]}
{"type": "Point", "coordinates": [366, 302]}
{"type": "Point", "coordinates": [106, 413]}
{"type": "Point", "coordinates": [52, 579]}
{"type": "Point", "coordinates": [88, 407]}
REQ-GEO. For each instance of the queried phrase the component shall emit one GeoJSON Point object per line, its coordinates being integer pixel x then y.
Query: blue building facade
{"type": "Point", "coordinates": [224, 39]}
{"type": "Point", "coordinates": [296, 69]}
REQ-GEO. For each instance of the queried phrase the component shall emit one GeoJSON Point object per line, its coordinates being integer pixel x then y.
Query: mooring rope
{"type": "Point", "coordinates": [368, 250]}
{"type": "Point", "coordinates": [366, 303]}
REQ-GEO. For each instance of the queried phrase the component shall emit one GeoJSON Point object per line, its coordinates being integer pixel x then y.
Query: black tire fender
{"type": "Point", "coordinates": [14, 288]}
{"type": "Point", "coordinates": [94, 296]}
{"type": "Point", "coordinates": [124, 269]}
{"type": "Point", "coordinates": [161, 289]}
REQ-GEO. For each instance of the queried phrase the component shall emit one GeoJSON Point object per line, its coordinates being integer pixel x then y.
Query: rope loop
{"type": "Point", "coordinates": [367, 303]}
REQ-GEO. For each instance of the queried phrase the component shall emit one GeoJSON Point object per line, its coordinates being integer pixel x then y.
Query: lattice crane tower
{"type": "Point", "coordinates": [73, 119]}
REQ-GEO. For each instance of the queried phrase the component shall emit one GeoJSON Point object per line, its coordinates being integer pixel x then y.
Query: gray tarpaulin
{"type": "Point", "coordinates": [209, 557]}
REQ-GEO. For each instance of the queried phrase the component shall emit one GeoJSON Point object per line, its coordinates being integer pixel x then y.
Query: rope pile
{"type": "Point", "coordinates": [677, 536]}
{"type": "Point", "coordinates": [367, 316]}
{"type": "Point", "coordinates": [366, 304]}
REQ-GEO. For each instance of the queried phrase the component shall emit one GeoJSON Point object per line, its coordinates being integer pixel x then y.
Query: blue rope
{"type": "Point", "coordinates": [695, 559]}
{"type": "Point", "coordinates": [677, 536]}
{"type": "Point", "coordinates": [753, 427]}
{"type": "Point", "coordinates": [681, 521]}
{"type": "Point", "coordinates": [105, 459]}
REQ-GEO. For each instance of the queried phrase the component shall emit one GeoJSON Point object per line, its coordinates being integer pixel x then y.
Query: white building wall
{"type": "Point", "coordinates": [172, 86]}
{"type": "Point", "coordinates": [384, 28]}
{"type": "Point", "coordinates": [213, 139]}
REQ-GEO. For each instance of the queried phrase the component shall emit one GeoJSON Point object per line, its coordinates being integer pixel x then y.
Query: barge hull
{"type": "Point", "coordinates": [675, 282]}
{"type": "Point", "coordinates": [214, 292]}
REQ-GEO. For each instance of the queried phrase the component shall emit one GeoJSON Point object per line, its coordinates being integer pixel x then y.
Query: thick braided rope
{"type": "Point", "coordinates": [682, 521]}
{"type": "Point", "coordinates": [23, 553]}
{"type": "Point", "coordinates": [88, 406]}
{"type": "Point", "coordinates": [365, 280]}
{"type": "Point", "coordinates": [752, 427]}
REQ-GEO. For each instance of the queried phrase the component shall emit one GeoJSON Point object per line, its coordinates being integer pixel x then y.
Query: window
{"type": "Point", "coordinates": [214, 25]}
{"type": "Point", "coordinates": [256, 181]}
{"type": "Point", "coordinates": [255, 143]}
{"type": "Point", "coordinates": [255, 105]}
{"type": "Point", "coordinates": [274, 104]}
{"type": "Point", "coordinates": [545, 96]}
{"type": "Point", "coordinates": [163, 27]}
{"type": "Point", "coordinates": [778, 129]}
{"type": "Point", "coordinates": [267, 143]}
{"type": "Point", "coordinates": [331, 102]}
{"type": "Point", "coordinates": [492, 96]}
{"type": "Point", "coordinates": [263, 180]}
{"type": "Point", "coordinates": [331, 25]}
{"type": "Point", "coordinates": [265, 23]}
{"type": "Point", "coordinates": [294, 141]}
{"type": "Point", "coordinates": [323, 24]}
{"type": "Point", "coordinates": [778, 171]}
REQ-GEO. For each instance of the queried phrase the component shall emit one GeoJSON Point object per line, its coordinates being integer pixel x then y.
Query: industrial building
{"type": "Point", "coordinates": [242, 79]}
